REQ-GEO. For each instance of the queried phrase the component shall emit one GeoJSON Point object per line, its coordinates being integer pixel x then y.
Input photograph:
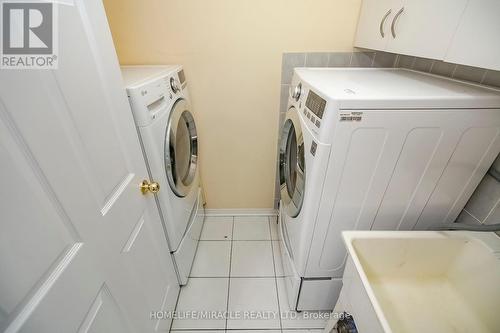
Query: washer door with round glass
{"type": "Point", "coordinates": [292, 164]}
{"type": "Point", "coordinates": [181, 149]}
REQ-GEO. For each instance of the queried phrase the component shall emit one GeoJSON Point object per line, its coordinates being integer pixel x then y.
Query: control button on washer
{"type": "Point", "coordinates": [314, 146]}
{"type": "Point", "coordinates": [317, 123]}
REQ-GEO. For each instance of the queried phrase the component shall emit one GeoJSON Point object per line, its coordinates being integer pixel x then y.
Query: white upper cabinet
{"type": "Point", "coordinates": [477, 39]}
{"type": "Point", "coordinates": [425, 28]}
{"type": "Point", "coordinates": [415, 27]}
{"type": "Point", "coordinates": [374, 23]}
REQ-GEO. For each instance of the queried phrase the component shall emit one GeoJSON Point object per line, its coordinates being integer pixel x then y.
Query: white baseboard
{"type": "Point", "coordinates": [241, 212]}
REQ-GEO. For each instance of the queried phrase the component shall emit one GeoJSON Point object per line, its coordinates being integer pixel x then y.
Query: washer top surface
{"type": "Point", "coordinates": [396, 88]}
{"type": "Point", "coordinates": [135, 76]}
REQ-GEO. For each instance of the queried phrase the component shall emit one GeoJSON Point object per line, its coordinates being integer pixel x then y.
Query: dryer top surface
{"type": "Point", "coordinates": [135, 76]}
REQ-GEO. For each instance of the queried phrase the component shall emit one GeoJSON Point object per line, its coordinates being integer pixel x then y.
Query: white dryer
{"type": "Point", "coordinates": [383, 149]}
{"type": "Point", "coordinates": [166, 126]}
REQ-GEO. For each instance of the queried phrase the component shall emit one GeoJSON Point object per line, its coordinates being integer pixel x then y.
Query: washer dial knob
{"type": "Point", "coordinates": [174, 85]}
{"type": "Point", "coordinates": [296, 92]}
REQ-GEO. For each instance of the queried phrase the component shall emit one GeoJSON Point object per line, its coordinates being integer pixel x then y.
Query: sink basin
{"type": "Point", "coordinates": [422, 281]}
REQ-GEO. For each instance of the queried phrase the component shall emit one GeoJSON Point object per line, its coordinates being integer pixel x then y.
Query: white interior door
{"type": "Point", "coordinates": [81, 249]}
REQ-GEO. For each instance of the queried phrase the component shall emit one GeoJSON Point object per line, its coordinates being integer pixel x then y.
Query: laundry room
{"type": "Point", "coordinates": [231, 166]}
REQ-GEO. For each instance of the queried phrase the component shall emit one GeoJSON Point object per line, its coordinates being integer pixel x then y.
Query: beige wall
{"type": "Point", "coordinates": [231, 51]}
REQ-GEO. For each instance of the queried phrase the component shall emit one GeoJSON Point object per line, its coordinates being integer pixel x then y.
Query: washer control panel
{"type": "Point", "coordinates": [315, 108]}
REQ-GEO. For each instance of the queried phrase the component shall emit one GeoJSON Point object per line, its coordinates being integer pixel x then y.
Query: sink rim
{"type": "Point", "coordinates": [487, 240]}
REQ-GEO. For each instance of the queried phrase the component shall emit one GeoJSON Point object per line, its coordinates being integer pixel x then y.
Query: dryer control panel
{"type": "Point", "coordinates": [150, 100]}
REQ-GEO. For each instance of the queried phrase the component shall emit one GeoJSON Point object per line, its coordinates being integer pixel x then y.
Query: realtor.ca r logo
{"type": "Point", "coordinates": [29, 35]}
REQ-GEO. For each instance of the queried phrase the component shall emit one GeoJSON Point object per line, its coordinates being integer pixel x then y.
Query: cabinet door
{"type": "Point", "coordinates": [374, 23]}
{"type": "Point", "coordinates": [424, 28]}
{"type": "Point", "coordinates": [476, 42]}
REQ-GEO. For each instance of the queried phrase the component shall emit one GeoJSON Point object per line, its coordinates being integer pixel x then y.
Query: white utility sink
{"type": "Point", "coordinates": [418, 281]}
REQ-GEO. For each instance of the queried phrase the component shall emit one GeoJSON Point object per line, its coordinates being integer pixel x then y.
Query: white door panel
{"type": "Point", "coordinates": [81, 249]}
{"type": "Point", "coordinates": [104, 315]}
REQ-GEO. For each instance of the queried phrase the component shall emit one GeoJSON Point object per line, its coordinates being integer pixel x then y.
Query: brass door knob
{"type": "Point", "coordinates": [147, 186]}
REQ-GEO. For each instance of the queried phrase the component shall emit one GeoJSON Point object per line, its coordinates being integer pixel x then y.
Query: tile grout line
{"type": "Point", "coordinates": [275, 277]}
{"type": "Point", "coordinates": [413, 62]}
{"type": "Point", "coordinates": [229, 277]}
{"type": "Point", "coordinates": [483, 77]}
{"type": "Point", "coordinates": [175, 308]}
{"type": "Point", "coordinates": [395, 63]}
{"type": "Point", "coordinates": [432, 65]}
{"type": "Point", "coordinates": [452, 75]}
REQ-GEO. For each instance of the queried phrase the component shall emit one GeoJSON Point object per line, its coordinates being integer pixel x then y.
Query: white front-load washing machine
{"type": "Point", "coordinates": [381, 149]}
{"type": "Point", "coordinates": [166, 126]}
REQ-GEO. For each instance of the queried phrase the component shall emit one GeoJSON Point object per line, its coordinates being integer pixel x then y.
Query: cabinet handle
{"type": "Point", "coordinates": [393, 25]}
{"type": "Point", "coordinates": [382, 22]}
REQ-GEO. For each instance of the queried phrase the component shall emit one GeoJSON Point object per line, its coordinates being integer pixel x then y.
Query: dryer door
{"type": "Point", "coordinates": [292, 164]}
{"type": "Point", "coordinates": [181, 149]}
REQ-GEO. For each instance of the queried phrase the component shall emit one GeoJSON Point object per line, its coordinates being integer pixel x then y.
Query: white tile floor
{"type": "Point", "coordinates": [236, 282]}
